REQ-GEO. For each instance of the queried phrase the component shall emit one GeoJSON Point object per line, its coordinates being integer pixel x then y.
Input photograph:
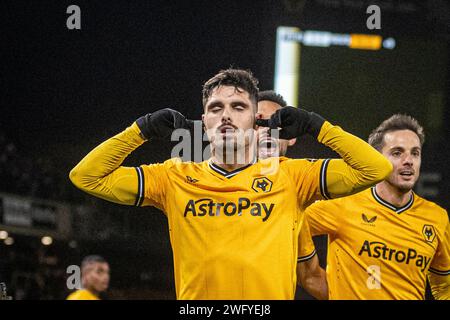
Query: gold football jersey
{"type": "Point", "coordinates": [235, 234]}
{"type": "Point", "coordinates": [82, 294]}
{"type": "Point", "coordinates": [379, 251]}
{"type": "Point", "coordinates": [306, 248]}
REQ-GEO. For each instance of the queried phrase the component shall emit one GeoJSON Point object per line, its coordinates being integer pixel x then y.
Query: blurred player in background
{"type": "Point", "coordinates": [268, 103]}
{"type": "Point", "coordinates": [233, 225]}
{"type": "Point", "coordinates": [94, 279]}
{"type": "Point", "coordinates": [309, 273]}
{"type": "Point", "coordinates": [384, 241]}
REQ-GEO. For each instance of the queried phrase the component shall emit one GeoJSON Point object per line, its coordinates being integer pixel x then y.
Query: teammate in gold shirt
{"type": "Point", "coordinates": [384, 241]}
{"type": "Point", "coordinates": [233, 220]}
{"type": "Point", "coordinates": [310, 275]}
{"type": "Point", "coordinates": [94, 279]}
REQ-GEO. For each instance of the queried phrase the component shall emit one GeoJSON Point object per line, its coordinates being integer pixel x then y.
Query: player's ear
{"type": "Point", "coordinates": [204, 123]}
{"type": "Point", "coordinates": [292, 142]}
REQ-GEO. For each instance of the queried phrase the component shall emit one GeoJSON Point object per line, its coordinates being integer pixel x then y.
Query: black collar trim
{"type": "Point", "coordinates": [228, 174]}
{"type": "Point", "coordinates": [391, 206]}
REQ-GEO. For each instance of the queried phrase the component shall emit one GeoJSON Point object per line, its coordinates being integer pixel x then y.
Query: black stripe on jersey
{"type": "Point", "coordinates": [323, 179]}
{"type": "Point", "coordinates": [140, 193]}
{"type": "Point", "coordinates": [438, 272]}
{"type": "Point", "coordinates": [391, 206]}
{"type": "Point", "coordinates": [230, 174]}
{"type": "Point", "coordinates": [306, 258]}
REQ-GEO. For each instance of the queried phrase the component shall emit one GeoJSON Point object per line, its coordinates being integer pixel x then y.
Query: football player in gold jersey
{"type": "Point", "coordinates": [94, 279]}
{"type": "Point", "coordinates": [310, 275]}
{"type": "Point", "coordinates": [384, 241]}
{"type": "Point", "coordinates": [232, 219]}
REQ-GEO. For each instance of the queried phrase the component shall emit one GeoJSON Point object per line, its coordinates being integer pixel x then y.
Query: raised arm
{"type": "Point", "coordinates": [361, 165]}
{"type": "Point", "coordinates": [100, 172]}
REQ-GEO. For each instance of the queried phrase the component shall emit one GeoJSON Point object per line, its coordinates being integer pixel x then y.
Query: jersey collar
{"type": "Point", "coordinates": [228, 174]}
{"type": "Point", "coordinates": [391, 206]}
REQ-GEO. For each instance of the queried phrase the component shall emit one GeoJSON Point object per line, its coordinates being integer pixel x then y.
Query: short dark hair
{"type": "Point", "coordinates": [237, 78]}
{"type": "Point", "coordinates": [92, 259]}
{"type": "Point", "coordinates": [395, 123]}
{"type": "Point", "coordinates": [270, 95]}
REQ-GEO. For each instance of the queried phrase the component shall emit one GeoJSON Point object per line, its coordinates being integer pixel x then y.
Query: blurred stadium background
{"type": "Point", "coordinates": [63, 92]}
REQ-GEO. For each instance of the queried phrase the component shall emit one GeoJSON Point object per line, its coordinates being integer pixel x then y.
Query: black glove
{"type": "Point", "coordinates": [162, 123]}
{"type": "Point", "coordinates": [294, 122]}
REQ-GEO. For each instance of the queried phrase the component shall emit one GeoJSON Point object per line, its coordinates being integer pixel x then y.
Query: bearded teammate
{"type": "Point", "coordinates": [309, 273]}
{"type": "Point", "coordinates": [232, 223]}
{"type": "Point", "coordinates": [384, 241]}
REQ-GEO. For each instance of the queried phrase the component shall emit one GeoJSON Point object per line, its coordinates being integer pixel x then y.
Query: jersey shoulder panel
{"type": "Point", "coordinates": [432, 208]}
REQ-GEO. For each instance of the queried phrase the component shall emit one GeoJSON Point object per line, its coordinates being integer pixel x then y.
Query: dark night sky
{"type": "Point", "coordinates": [128, 59]}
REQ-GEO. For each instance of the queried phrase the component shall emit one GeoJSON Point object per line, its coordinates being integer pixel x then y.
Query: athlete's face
{"type": "Point", "coordinates": [97, 276]}
{"type": "Point", "coordinates": [269, 146]}
{"type": "Point", "coordinates": [403, 149]}
{"type": "Point", "coordinates": [229, 117]}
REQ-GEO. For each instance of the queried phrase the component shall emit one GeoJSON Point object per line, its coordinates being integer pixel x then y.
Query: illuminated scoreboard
{"type": "Point", "coordinates": [288, 53]}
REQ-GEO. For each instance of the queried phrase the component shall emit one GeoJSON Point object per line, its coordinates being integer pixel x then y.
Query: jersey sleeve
{"type": "Point", "coordinates": [306, 248]}
{"type": "Point", "coordinates": [101, 174]}
{"type": "Point", "coordinates": [153, 184]}
{"type": "Point", "coordinates": [360, 166]}
{"type": "Point", "coordinates": [323, 217]}
{"type": "Point", "coordinates": [441, 261]}
{"type": "Point", "coordinates": [439, 271]}
{"type": "Point", "coordinates": [309, 179]}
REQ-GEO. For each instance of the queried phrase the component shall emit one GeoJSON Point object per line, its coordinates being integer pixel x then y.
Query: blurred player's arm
{"type": "Point", "coordinates": [439, 271]}
{"type": "Point", "coordinates": [361, 165]}
{"type": "Point", "coordinates": [313, 278]}
{"type": "Point", "coordinates": [100, 173]}
{"type": "Point", "coordinates": [310, 276]}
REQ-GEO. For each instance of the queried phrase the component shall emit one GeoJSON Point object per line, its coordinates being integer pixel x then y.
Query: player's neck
{"type": "Point", "coordinates": [91, 290]}
{"type": "Point", "coordinates": [234, 160]}
{"type": "Point", "coordinates": [393, 195]}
